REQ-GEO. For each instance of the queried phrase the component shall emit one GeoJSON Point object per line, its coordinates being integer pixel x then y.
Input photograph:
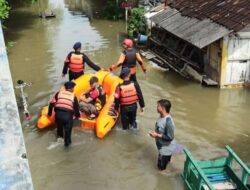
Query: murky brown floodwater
{"type": "Point", "coordinates": [206, 118]}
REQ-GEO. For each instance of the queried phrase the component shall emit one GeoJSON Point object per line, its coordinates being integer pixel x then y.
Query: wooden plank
{"type": "Point", "coordinates": [147, 54]}
{"type": "Point", "coordinates": [150, 56]}
{"type": "Point", "coordinates": [157, 61]}
{"type": "Point", "coordinates": [143, 53]}
{"type": "Point", "coordinates": [213, 170]}
{"type": "Point", "coordinates": [209, 82]}
{"type": "Point", "coordinates": [245, 169]}
{"type": "Point", "coordinates": [222, 186]}
{"type": "Point", "coordinates": [219, 177]}
{"type": "Point", "coordinates": [216, 175]}
{"type": "Point", "coordinates": [235, 156]}
{"type": "Point", "coordinates": [198, 169]}
{"type": "Point", "coordinates": [236, 179]}
{"type": "Point", "coordinates": [212, 163]}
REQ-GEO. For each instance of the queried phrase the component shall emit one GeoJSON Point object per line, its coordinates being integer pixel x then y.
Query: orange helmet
{"type": "Point", "coordinates": [128, 43]}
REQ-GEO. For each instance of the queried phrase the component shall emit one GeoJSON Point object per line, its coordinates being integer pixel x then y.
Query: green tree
{"type": "Point", "coordinates": [112, 11]}
{"type": "Point", "coordinates": [136, 22]}
{"type": "Point", "coordinates": [4, 9]}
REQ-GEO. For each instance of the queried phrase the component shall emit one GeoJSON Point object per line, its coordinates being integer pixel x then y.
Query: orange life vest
{"type": "Point", "coordinates": [128, 94]}
{"type": "Point", "coordinates": [132, 70]}
{"type": "Point", "coordinates": [65, 100]}
{"type": "Point", "coordinates": [76, 63]}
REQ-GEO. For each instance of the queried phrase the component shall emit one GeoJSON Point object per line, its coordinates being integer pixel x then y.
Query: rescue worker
{"type": "Point", "coordinates": [128, 59]}
{"type": "Point", "coordinates": [75, 62]}
{"type": "Point", "coordinates": [66, 107]}
{"type": "Point", "coordinates": [92, 101]}
{"type": "Point", "coordinates": [127, 95]}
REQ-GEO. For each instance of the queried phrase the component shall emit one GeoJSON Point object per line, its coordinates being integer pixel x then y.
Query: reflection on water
{"type": "Point", "coordinates": [206, 119]}
{"type": "Point", "coordinates": [79, 7]}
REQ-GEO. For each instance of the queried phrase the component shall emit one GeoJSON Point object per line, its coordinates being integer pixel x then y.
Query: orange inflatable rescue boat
{"type": "Point", "coordinates": [106, 118]}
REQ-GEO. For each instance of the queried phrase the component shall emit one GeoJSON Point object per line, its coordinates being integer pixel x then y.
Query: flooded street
{"type": "Point", "coordinates": [206, 119]}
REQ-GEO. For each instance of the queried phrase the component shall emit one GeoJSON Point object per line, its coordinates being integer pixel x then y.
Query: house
{"type": "Point", "coordinates": [208, 40]}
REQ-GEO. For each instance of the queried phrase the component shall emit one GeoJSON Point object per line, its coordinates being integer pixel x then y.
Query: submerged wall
{"type": "Point", "coordinates": [14, 167]}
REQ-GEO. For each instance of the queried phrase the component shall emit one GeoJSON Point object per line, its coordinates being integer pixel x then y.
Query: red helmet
{"type": "Point", "coordinates": [128, 43]}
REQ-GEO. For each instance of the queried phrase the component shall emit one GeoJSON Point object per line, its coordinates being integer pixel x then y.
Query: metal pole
{"type": "Point", "coordinates": [126, 18]}
{"type": "Point", "coordinates": [26, 113]}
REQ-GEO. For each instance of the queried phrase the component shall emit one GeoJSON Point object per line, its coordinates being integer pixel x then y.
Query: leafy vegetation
{"type": "Point", "coordinates": [112, 11]}
{"type": "Point", "coordinates": [4, 9]}
{"type": "Point", "coordinates": [136, 22]}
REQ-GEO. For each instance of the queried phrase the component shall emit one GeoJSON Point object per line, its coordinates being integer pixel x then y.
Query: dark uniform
{"type": "Point", "coordinates": [130, 62]}
{"type": "Point", "coordinates": [127, 96]}
{"type": "Point", "coordinates": [66, 106]}
{"type": "Point", "coordinates": [75, 62]}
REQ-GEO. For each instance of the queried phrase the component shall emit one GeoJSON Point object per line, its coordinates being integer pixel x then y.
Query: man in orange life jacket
{"type": "Point", "coordinates": [92, 101]}
{"type": "Point", "coordinates": [127, 95]}
{"type": "Point", "coordinates": [66, 106]}
{"type": "Point", "coordinates": [128, 59]}
{"type": "Point", "coordinates": [75, 62]}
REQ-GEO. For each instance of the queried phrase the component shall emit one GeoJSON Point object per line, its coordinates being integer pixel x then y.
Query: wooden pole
{"type": "Point", "coordinates": [40, 6]}
{"type": "Point", "coordinates": [166, 3]}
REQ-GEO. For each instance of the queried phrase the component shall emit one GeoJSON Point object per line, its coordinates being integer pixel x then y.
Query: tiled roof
{"type": "Point", "coordinates": [233, 14]}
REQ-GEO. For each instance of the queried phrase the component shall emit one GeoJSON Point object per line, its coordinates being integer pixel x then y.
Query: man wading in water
{"type": "Point", "coordinates": [164, 135]}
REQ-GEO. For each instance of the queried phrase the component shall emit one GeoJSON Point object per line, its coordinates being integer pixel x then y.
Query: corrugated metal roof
{"type": "Point", "coordinates": [163, 15]}
{"type": "Point", "coordinates": [233, 14]}
{"type": "Point", "coordinates": [197, 32]}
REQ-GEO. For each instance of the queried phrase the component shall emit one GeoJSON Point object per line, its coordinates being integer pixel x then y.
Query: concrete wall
{"type": "Point", "coordinates": [14, 169]}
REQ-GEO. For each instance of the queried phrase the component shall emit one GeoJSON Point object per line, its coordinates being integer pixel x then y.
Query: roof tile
{"type": "Point", "coordinates": [233, 14]}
